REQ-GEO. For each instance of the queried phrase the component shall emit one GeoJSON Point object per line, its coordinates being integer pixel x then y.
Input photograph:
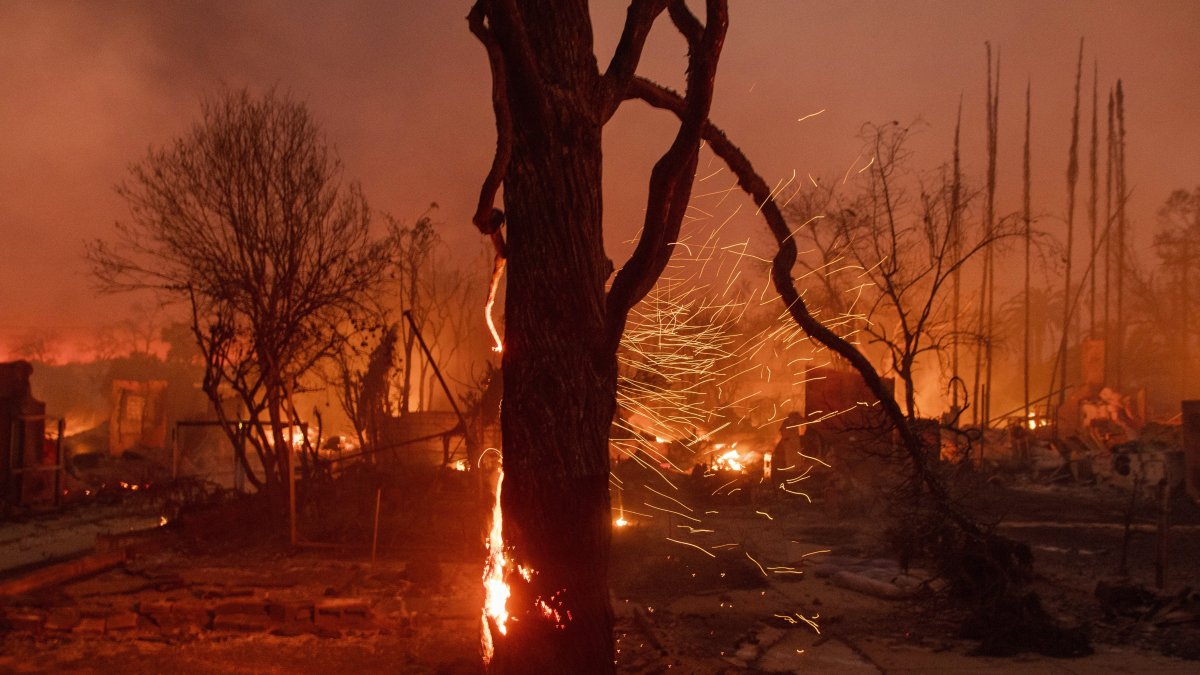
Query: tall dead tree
{"type": "Point", "coordinates": [1072, 179]}
{"type": "Point", "coordinates": [247, 221]}
{"type": "Point", "coordinates": [1027, 219]}
{"type": "Point", "coordinates": [562, 329]}
{"type": "Point", "coordinates": [987, 289]}
{"type": "Point", "coordinates": [1092, 215]}
{"type": "Point", "coordinates": [956, 279]}
{"type": "Point", "coordinates": [1119, 255]}
{"type": "Point", "coordinates": [1109, 145]}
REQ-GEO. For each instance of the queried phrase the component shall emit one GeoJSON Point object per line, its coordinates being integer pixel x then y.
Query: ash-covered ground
{"type": "Point", "coordinates": [785, 586]}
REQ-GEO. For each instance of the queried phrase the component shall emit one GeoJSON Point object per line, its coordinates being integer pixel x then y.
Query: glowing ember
{"type": "Point", "coordinates": [496, 590]}
{"type": "Point", "coordinates": [460, 465]}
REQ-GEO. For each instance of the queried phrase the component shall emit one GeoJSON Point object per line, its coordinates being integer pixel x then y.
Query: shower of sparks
{"type": "Point", "coordinates": [702, 364]}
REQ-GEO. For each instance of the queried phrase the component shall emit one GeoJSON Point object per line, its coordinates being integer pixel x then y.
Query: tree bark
{"type": "Point", "coordinates": [562, 329]}
{"type": "Point", "coordinates": [559, 382]}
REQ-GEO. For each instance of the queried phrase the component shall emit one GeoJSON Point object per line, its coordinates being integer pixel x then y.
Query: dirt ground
{"type": "Point", "coordinates": [765, 595]}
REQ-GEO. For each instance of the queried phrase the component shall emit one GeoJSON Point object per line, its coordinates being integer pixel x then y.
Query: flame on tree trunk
{"type": "Point", "coordinates": [561, 328]}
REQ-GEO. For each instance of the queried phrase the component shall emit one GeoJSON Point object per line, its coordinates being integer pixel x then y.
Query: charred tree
{"type": "Point", "coordinates": [1027, 220]}
{"type": "Point", "coordinates": [562, 329]}
{"type": "Point", "coordinates": [1094, 176]}
{"type": "Point", "coordinates": [1119, 253]}
{"type": "Point", "coordinates": [245, 220]}
{"type": "Point", "coordinates": [1109, 147]}
{"type": "Point", "coordinates": [1072, 179]}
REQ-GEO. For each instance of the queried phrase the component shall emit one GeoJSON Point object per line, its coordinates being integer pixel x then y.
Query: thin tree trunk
{"type": "Point", "coordinates": [1110, 142]}
{"type": "Point", "coordinates": [993, 147]}
{"type": "Point", "coordinates": [956, 280]}
{"type": "Point", "coordinates": [1028, 219]}
{"type": "Point", "coordinates": [1122, 195]}
{"type": "Point", "coordinates": [1072, 179]}
{"type": "Point", "coordinates": [1092, 218]}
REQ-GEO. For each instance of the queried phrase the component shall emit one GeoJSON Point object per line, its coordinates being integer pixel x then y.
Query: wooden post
{"type": "Point", "coordinates": [1164, 517]}
{"type": "Point", "coordinates": [291, 479]}
{"type": "Point", "coordinates": [375, 533]}
{"type": "Point", "coordinates": [58, 462]}
{"type": "Point", "coordinates": [1191, 448]}
{"type": "Point", "coordinates": [1028, 219]}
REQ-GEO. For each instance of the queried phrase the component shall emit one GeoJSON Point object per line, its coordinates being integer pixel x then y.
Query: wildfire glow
{"type": "Point", "coordinates": [495, 588]}
{"type": "Point", "coordinates": [730, 461]}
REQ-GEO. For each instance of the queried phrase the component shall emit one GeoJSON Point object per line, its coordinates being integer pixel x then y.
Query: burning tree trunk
{"type": "Point", "coordinates": [561, 328]}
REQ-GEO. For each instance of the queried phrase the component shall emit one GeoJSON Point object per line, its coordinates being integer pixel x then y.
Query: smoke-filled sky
{"type": "Point", "coordinates": [402, 90]}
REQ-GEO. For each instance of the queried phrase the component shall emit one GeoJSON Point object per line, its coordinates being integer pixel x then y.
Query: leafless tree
{"type": "Point", "coordinates": [247, 221]}
{"type": "Point", "coordinates": [40, 345]}
{"type": "Point", "coordinates": [901, 249]}
{"type": "Point", "coordinates": [1176, 244]}
{"type": "Point", "coordinates": [412, 270]}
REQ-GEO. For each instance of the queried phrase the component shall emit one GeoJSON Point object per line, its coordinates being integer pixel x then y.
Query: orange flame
{"type": "Point", "coordinates": [497, 272]}
{"type": "Point", "coordinates": [496, 590]}
{"type": "Point", "coordinates": [730, 461]}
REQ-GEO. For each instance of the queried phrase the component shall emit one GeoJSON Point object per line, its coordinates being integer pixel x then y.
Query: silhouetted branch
{"type": "Point", "coordinates": [638, 21]}
{"type": "Point", "coordinates": [671, 178]}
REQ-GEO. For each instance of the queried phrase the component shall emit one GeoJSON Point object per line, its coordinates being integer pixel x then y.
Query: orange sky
{"type": "Point", "coordinates": [402, 91]}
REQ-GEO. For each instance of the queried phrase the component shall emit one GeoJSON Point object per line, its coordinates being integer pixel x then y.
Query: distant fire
{"type": "Point", "coordinates": [728, 462]}
{"type": "Point", "coordinates": [732, 459]}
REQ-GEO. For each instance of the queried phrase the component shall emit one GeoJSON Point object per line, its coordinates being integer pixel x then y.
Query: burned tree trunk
{"type": "Point", "coordinates": [559, 379]}
{"type": "Point", "coordinates": [561, 328]}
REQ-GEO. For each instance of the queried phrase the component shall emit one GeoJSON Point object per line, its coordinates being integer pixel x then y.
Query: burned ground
{"type": "Point", "coordinates": [784, 592]}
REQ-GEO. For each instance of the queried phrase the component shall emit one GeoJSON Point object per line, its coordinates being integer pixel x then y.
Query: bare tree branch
{"type": "Point", "coordinates": [671, 178]}
{"type": "Point", "coordinates": [638, 21]}
{"type": "Point", "coordinates": [487, 217]}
